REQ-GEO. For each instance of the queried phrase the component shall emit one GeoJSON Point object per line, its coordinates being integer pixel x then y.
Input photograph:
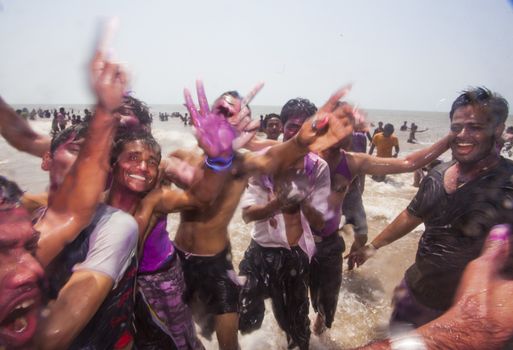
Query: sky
{"type": "Point", "coordinates": [398, 54]}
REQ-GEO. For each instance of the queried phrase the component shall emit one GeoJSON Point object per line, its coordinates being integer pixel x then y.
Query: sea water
{"type": "Point", "coordinates": [364, 300]}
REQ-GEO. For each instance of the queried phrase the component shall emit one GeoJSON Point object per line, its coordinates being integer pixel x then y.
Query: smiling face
{"type": "Point", "coordinates": [19, 276]}
{"type": "Point", "coordinates": [476, 134]}
{"type": "Point", "coordinates": [137, 166]}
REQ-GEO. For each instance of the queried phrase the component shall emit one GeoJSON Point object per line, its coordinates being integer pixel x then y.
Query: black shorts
{"type": "Point", "coordinates": [326, 276]}
{"type": "Point", "coordinates": [212, 280]}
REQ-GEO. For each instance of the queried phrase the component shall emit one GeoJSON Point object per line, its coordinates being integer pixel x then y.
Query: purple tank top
{"type": "Point", "coordinates": [157, 247]}
{"type": "Point", "coordinates": [332, 224]}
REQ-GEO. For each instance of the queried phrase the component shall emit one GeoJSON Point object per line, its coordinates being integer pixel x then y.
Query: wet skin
{"type": "Point", "coordinates": [475, 137]}
{"type": "Point", "coordinates": [20, 274]}
{"type": "Point", "coordinates": [137, 167]}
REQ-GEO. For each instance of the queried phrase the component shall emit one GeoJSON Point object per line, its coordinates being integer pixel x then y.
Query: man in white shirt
{"type": "Point", "coordinates": [276, 264]}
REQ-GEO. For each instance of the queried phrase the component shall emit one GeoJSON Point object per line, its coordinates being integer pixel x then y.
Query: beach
{"type": "Point", "coordinates": [364, 301]}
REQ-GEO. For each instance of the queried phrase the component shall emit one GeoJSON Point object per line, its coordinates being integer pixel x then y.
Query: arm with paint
{"type": "Point", "coordinates": [74, 202]}
{"type": "Point", "coordinates": [327, 127]}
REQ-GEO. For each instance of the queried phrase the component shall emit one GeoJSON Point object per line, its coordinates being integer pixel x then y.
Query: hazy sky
{"type": "Point", "coordinates": [400, 54]}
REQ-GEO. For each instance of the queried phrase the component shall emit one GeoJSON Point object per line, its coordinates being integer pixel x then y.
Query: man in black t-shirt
{"type": "Point", "coordinates": [458, 202]}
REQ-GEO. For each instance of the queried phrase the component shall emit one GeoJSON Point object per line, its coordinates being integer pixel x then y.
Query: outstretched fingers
{"type": "Point", "coordinates": [202, 98]}
{"type": "Point", "coordinates": [191, 107]}
{"type": "Point", "coordinates": [332, 102]}
{"type": "Point", "coordinates": [251, 95]}
{"type": "Point", "coordinates": [106, 36]}
{"type": "Point", "coordinates": [103, 45]}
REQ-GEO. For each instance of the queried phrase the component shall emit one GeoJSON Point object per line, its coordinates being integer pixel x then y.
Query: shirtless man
{"type": "Point", "coordinates": [202, 238]}
{"type": "Point", "coordinates": [458, 202]}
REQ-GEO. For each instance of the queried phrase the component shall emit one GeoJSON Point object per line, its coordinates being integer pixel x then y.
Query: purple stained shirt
{"type": "Point", "coordinates": [332, 224]}
{"type": "Point", "coordinates": [157, 247]}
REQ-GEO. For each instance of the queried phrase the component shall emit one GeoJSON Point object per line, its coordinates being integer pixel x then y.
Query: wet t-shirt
{"type": "Point", "coordinates": [107, 246]}
{"type": "Point", "coordinates": [456, 226]}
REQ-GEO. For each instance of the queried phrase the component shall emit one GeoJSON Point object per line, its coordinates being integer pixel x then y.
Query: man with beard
{"type": "Point", "coordinates": [458, 202]}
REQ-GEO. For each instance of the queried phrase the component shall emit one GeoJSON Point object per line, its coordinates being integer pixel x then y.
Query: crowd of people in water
{"type": "Point", "coordinates": [90, 264]}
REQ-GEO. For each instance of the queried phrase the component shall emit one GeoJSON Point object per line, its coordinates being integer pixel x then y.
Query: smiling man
{"type": "Point", "coordinates": [458, 202]}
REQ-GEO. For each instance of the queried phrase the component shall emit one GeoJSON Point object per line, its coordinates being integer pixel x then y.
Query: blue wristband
{"type": "Point", "coordinates": [219, 163]}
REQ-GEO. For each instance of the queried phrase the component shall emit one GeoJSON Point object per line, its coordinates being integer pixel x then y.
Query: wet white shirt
{"type": "Point", "coordinates": [258, 191]}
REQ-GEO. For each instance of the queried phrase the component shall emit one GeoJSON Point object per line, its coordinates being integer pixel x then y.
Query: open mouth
{"type": "Point", "coordinates": [464, 148]}
{"type": "Point", "coordinates": [19, 325]}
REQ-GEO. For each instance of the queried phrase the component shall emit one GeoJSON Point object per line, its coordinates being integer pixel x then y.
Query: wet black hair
{"type": "Point", "coordinates": [10, 194]}
{"type": "Point", "coordinates": [134, 135]}
{"type": "Point", "coordinates": [76, 131]}
{"type": "Point", "coordinates": [269, 117]}
{"type": "Point", "coordinates": [141, 110]}
{"type": "Point", "coordinates": [297, 107]}
{"type": "Point", "coordinates": [492, 103]}
{"type": "Point", "coordinates": [388, 129]}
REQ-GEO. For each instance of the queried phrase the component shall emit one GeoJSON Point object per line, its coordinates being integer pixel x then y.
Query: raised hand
{"type": "Point", "coordinates": [238, 115]}
{"type": "Point", "coordinates": [108, 79]}
{"type": "Point", "coordinates": [332, 123]}
{"type": "Point", "coordinates": [214, 133]}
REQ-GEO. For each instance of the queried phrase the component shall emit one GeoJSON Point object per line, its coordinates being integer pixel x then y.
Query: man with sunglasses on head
{"type": "Point", "coordinates": [458, 202]}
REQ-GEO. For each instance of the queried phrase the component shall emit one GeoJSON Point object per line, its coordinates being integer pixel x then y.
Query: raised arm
{"type": "Point", "coordinates": [18, 133]}
{"type": "Point", "coordinates": [328, 126]}
{"type": "Point", "coordinates": [361, 163]}
{"type": "Point", "coordinates": [74, 202]}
